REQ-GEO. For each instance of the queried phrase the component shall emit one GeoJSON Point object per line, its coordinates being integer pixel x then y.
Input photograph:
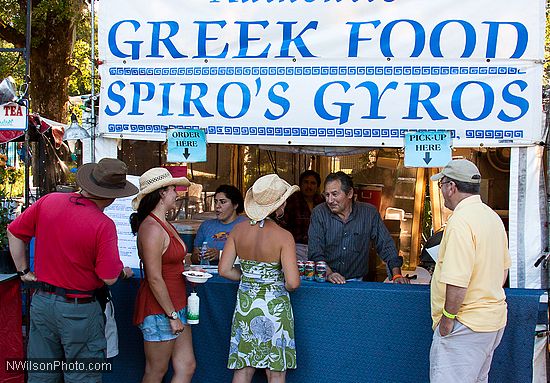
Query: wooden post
{"type": "Point", "coordinates": [236, 171]}
{"type": "Point", "coordinates": [435, 202]}
{"type": "Point", "coordinates": [416, 229]}
{"type": "Point", "coordinates": [324, 168]}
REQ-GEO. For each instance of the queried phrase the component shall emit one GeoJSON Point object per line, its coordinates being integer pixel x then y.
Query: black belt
{"type": "Point", "coordinates": [62, 292]}
{"type": "Point", "coordinates": [76, 301]}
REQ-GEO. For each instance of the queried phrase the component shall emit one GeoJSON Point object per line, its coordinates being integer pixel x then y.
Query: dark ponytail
{"type": "Point", "coordinates": [146, 206]}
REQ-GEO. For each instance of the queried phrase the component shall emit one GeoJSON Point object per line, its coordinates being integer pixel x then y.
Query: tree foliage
{"type": "Point", "coordinates": [53, 38]}
{"type": "Point", "coordinates": [80, 79]}
{"type": "Point", "coordinates": [59, 67]}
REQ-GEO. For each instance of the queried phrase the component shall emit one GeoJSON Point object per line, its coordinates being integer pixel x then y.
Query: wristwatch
{"type": "Point", "coordinates": [173, 315]}
{"type": "Point", "coordinates": [23, 272]}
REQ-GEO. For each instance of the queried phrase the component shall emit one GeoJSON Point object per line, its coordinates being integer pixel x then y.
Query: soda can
{"type": "Point", "coordinates": [309, 274]}
{"type": "Point", "coordinates": [301, 268]}
{"type": "Point", "coordinates": [321, 271]}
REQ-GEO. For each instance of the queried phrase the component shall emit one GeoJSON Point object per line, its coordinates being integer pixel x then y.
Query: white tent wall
{"type": "Point", "coordinates": [527, 229]}
{"type": "Point", "coordinates": [104, 147]}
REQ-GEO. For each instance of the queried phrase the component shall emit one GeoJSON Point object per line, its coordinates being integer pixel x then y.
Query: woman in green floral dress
{"type": "Point", "coordinates": [262, 334]}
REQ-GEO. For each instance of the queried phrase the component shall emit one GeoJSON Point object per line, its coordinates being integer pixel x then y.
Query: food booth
{"type": "Point", "coordinates": [293, 85]}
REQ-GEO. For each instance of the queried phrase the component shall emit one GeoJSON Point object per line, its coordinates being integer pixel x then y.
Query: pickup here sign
{"type": "Point", "coordinates": [427, 149]}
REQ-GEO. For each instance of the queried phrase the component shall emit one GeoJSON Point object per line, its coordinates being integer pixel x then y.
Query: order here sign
{"type": "Point", "coordinates": [427, 149]}
{"type": "Point", "coordinates": [186, 145]}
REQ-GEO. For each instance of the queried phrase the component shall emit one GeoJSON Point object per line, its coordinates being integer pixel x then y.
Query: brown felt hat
{"type": "Point", "coordinates": [105, 179]}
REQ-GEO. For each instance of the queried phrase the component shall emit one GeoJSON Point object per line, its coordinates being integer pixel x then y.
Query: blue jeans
{"type": "Point", "coordinates": [156, 327]}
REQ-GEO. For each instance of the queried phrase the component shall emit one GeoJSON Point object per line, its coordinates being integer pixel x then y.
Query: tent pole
{"type": "Point", "coordinates": [546, 265]}
{"type": "Point", "coordinates": [545, 277]}
{"type": "Point", "coordinates": [545, 272]}
{"type": "Point", "coordinates": [26, 150]}
{"type": "Point", "coordinates": [544, 260]}
{"type": "Point", "coordinates": [25, 100]}
{"type": "Point", "coordinates": [92, 48]}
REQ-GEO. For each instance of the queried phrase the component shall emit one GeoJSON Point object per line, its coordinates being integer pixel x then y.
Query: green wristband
{"type": "Point", "coordinates": [448, 314]}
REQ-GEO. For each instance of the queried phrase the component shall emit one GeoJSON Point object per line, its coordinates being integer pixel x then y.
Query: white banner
{"type": "Point", "coordinates": [331, 73]}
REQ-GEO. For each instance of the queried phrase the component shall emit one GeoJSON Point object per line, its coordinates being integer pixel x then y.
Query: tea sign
{"type": "Point", "coordinates": [12, 116]}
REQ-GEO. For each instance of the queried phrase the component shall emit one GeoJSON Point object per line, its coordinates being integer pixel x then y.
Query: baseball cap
{"type": "Point", "coordinates": [459, 170]}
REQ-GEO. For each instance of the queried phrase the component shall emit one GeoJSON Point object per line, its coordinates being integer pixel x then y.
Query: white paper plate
{"type": "Point", "coordinates": [196, 276]}
{"type": "Point", "coordinates": [213, 269]}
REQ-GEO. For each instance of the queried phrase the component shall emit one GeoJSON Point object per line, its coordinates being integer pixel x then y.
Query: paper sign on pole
{"type": "Point", "coordinates": [119, 211]}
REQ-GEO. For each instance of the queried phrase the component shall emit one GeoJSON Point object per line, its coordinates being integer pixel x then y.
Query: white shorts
{"type": "Point", "coordinates": [463, 356]}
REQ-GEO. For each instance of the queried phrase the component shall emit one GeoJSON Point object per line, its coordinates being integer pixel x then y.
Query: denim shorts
{"type": "Point", "coordinates": [156, 327]}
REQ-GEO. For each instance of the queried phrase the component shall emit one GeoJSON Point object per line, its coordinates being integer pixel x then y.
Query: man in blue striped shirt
{"type": "Point", "coordinates": [341, 231]}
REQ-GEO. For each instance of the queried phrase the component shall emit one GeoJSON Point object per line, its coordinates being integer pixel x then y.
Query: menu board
{"type": "Point", "coordinates": [119, 211]}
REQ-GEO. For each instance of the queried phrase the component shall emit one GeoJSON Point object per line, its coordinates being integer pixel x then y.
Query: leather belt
{"type": "Point", "coordinates": [76, 300]}
{"type": "Point", "coordinates": [62, 293]}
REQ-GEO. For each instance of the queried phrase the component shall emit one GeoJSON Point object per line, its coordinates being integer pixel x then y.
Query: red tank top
{"type": "Point", "coordinates": [172, 267]}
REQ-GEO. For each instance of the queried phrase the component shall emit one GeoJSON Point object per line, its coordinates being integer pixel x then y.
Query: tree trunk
{"type": "Point", "coordinates": [53, 35]}
{"type": "Point", "coordinates": [50, 69]}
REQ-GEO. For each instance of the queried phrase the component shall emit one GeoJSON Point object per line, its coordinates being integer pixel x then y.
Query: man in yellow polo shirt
{"type": "Point", "coordinates": [468, 301]}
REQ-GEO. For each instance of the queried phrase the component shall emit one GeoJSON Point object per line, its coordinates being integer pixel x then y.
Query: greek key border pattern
{"type": "Point", "coordinates": [273, 131]}
{"type": "Point", "coordinates": [139, 128]}
{"type": "Point", "coordinates": [317, 71]}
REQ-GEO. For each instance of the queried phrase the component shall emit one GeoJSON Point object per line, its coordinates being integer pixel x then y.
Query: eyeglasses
{"type": "Point", "coordinates": [440, 184]}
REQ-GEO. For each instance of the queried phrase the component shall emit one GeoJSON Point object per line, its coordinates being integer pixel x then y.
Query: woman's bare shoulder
{"type": "Point", "coordinates": [150, 228]}
{"type": "Point", "coordinates": [279, 231]}
{"type": "Point", "coordinates": [240, 227]}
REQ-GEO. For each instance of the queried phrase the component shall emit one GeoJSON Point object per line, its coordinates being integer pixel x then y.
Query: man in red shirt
{"type": "Point", "coordinates": [75, 253]}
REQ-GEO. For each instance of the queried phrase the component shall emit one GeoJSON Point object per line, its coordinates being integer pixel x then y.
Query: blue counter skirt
{"type": "Point", "coordinates": [357, 332]}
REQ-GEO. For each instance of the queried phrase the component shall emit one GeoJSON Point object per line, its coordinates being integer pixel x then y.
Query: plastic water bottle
{"type": "Point", "coordinates": [204, 248]}
{"type": "Point", "coordinates": [193, 308]}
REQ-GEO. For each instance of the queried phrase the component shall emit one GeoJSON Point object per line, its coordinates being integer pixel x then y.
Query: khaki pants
{"type": "Point", "coordinates": [65, 331]}
{"type": "Point", "coordinates": [463, 356]}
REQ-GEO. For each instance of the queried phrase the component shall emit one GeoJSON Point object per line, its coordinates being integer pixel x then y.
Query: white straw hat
{"type": "Point", "coordinates": [153, 179]}
{"type": "Point", "coordinates": [266, 195]}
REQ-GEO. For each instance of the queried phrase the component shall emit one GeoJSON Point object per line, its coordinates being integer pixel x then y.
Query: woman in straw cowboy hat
{"type": "Point", "coordinates": [260, 337]}
{"type": "Point", "coordinates": [160, 310]}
